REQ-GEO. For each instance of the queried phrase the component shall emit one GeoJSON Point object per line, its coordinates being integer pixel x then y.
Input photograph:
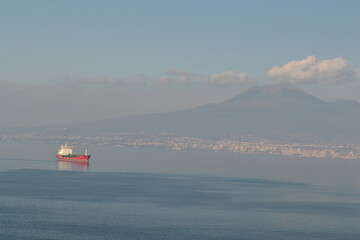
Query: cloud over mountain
{"type": "Point", "coordinates": [312, 70]}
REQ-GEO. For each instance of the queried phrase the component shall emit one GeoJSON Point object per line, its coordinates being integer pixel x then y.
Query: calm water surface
{"type": "Point", "coordinates": [158, 194]}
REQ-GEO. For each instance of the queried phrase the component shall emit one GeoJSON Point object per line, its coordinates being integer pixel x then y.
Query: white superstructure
{"type": "Point", "coordinates": [65, 150]}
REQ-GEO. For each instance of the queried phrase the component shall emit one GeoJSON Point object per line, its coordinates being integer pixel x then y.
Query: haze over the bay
{"type": "Point", "coordinates": [64, 62]}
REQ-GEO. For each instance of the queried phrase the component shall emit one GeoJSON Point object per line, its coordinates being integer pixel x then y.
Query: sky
{"type": "Point", "coordinates": [73, 61]}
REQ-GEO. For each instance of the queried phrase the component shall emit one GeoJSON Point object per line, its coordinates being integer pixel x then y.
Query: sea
{"type": "Point", "coordinates": [152, 194]}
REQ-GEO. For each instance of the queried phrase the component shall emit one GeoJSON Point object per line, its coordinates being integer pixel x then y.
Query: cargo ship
{"type": "Point", "coordinates": [65, 153]}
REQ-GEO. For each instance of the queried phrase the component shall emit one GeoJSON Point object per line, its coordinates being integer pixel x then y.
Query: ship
{"type": "Point", "coordinates": [65, 153]}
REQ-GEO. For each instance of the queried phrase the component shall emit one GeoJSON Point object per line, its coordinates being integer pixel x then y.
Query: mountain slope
{"type": "Point", "coordinates": [268, 110]}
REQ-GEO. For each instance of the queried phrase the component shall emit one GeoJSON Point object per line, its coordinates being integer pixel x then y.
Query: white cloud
{"type": "Point", "coordinates": [176, 76]}
{"type": "Point", "coordinates": [96, 80]}
{"type": "Point", "coordinates": [312, 70]}
{"type": "Point", "coordinates": [164, 80]}
{"type": "Point", "coordinates": [227, 78]}
{"type": "Point", "coordinates": [139, 80]}
{"type": "Point", "coordinates": [357, 73]}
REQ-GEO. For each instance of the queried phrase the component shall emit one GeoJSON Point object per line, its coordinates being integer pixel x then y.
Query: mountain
{"type": "Point", "coordinates": [268, 110]}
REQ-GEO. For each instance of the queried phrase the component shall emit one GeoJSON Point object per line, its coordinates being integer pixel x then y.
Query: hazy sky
{"type": "Point", "coordinates": [70, 61]}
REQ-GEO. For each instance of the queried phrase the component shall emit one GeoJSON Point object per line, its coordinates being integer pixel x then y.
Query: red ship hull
{"type": "Point", "coordinates": [78, 158]}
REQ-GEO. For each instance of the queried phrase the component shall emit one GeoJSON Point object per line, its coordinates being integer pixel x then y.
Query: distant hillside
{"type": "Point", "coordinates": [270, 110]}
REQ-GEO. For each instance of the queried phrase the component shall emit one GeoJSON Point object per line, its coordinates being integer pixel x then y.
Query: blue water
{"type": "Point", "coordinates": [157, 194]}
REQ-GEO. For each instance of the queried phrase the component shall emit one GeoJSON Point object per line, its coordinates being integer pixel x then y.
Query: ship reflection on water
{"type": "Point", "coordinates": [72, 166]}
